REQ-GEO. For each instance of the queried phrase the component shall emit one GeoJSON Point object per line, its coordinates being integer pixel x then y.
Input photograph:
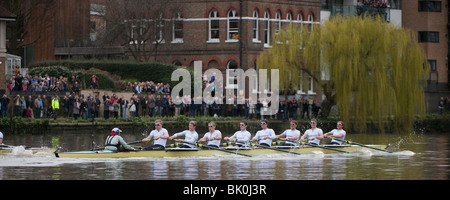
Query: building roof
{"type": "Point", "coordinates": [5, 15]}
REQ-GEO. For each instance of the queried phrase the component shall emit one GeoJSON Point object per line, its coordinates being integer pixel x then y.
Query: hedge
{"type": "Point", "coordinates": [156, 72]}
{"type": "Point", "coordinates": [104, 81]}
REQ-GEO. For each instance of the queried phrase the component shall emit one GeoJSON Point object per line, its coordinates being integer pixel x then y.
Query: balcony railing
{"type": "Point", "coordinates": [385, 13]}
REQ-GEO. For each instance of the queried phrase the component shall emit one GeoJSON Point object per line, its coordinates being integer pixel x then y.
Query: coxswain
{"type": "Point", "coordinates": [115, 142]}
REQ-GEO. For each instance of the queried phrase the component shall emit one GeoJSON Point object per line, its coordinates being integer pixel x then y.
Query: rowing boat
{"type": "Point", "coordinates": [5, 150]}
{"type": "Point", "coordinates": [188, 152]}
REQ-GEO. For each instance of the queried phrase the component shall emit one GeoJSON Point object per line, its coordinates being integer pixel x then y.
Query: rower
{"type": "Point", "coordinates": [338, 133]}
{"type": "Point", "coordinates": [266, 135]}
{"type": "Point", "coordinates": [190, 136]}
{"type": "Point", "coordinates": [213, 136]}
{"type": "Point", "coordinates": [159, 135]}
{"type": "Point", "coordinates": [314, 135]}
{"type": "Point", "coordinates": [242, 137]}
{"type": "Point", "coordinates": [115, 142]}
{"type": "Point", "coordinates": [1, 138]}
{"type": "Point", "coordinates": [292, 135]}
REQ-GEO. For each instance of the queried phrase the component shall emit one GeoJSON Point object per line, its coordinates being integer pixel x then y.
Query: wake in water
{"type": "Point", "coordinates": [20, 151]}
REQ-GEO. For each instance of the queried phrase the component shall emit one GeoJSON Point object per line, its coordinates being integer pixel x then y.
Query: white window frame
{"type": "Point", "coordinates": [311, 21]}
{"type": "Point", "coordinates": [266, 29]}
{"type": "Point", "coordinates": [178, 18]}
{"type": "Point", "coordinates": [232, 17]}
{"type": "Point", "coordinates": [277, 22]}
{"type": "Point", "coordinates": [213, 16]}
{"type": "Point", "coordinates": [256, 27]}
{"type": "Point", "coordinates": [311, 85]}
{"type": "Point", "coordinates": [159, 30]}
{"type": "Point", "coordinates": [230, 82]}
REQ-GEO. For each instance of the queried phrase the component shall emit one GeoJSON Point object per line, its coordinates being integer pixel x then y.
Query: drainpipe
{"type": "Point", "coordinates": [240, 33]}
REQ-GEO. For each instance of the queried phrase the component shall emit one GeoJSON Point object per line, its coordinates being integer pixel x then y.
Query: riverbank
{"type": "Point", "coordinates": [17, 125]}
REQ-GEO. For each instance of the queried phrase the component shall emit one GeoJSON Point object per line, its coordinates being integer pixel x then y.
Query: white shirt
{"type": "Point", "coordinates": [189, 136]}
{"type": "Point", "coordinates": [210, 135]}
{"type": "Point", "coordinates": [313, 133]}
{"type": "Point", "coordinates": [289, 133]}
{"type": "Point", "coordinates": [155, 133]}
{"type": "Point", "coordinates": [242, 137]}
{"type": "Point", "coordinates": [338, 132]}
{"type": "Point", "coordinates": [265, 133]}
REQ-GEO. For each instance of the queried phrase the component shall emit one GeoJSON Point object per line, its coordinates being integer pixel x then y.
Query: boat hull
{"type": "Point", "coordinates": [181, 152]}
{"type": "Point", "coordinates": [34, 150]}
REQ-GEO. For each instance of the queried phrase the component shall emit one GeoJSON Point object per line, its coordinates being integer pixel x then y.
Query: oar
{"type": "Point", "coordinates": [323, 147]}
{"type": "Point", "coordinates": [350, 142]}
{"type": "Point", "coordinates": [6, 146]}
{"type": "Point", "coordinates": [219, 149]}
{"type": "Point", "coordinates": [275, 149]}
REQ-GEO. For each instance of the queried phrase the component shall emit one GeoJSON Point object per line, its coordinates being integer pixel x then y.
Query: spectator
{"type": "Point", "coordinates": [94, 81]}
{"type": "Point", "coordinates": [107, 106]}
{"type": "Point", "coordinates": [38, 105]}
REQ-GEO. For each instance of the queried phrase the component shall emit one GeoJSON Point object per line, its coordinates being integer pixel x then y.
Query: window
{"type": "Point", "coordinates": [430, 6]}
{"type": "Point", "coordinates": [231, 74]}
{"type": "Point", "coordinates": [266, 29]}
{"type": "Point", "coordinates": [255, 26]}
{"type": "Point", "coordinates": [428, 36]}
{"type": "Point", "coordinates": [300, 19]}
{"type": "Point", "coordinates": [311, 20]}
{"type": "Point", "coordinates": [311, 86]}
{"type": "Point", "coordinates": [214, 26]}
{"type": "Point", "coordinates": [289, 17]}
{"type": "Point", "coordinates": [139, 31]}
{"type": "Point", "coordinates": [432, 65]}
{"type": "Point", "coordinates": [177, 35]}
{"type": "Point", "coordinates": [233, 25]}
{"type": "Point", "coordinates": [277, 22]}
{"type": "Point", "coordinates": [159, 26]}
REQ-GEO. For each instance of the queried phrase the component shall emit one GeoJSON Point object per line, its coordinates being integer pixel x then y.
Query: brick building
{"type": "Point", "coordinates": [429, 20]}
{"type": "Point", "coordinates": [229, 34]}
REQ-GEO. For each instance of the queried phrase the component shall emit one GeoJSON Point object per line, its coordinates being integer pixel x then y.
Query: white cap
{"type": "Point", "coordinates": [116, 130]}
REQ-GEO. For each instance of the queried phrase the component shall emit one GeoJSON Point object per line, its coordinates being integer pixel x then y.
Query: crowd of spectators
{"type": "Point", "coordinates": [373, 8]}
{"type": "Point", "coordinates": [149, 99]}
{"type": "Point", "coordinates": [373, 3]}
{"type": "Point", "coordinates": [45, 83]}
{"type": "Point", "coordinates": [148, 87]}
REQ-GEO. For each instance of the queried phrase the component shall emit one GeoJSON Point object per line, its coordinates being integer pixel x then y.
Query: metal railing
{"type": "Point", "coordinates": [385, 13]}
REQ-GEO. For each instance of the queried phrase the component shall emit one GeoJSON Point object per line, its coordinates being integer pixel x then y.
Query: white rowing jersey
{"type": "Point", "coordinates": [155, 133]}
{"type": "Point", "coordinates": [210, 136]}
{"type": "Point", "coordinates": [189, 136]}
{"type": "Point", "coordinates": [310, 133]}
{"type": "Point", "coordinates": [289, 133]}
{"type": "Point", "coordinates": [338, 132]}
{"type": "Point", "coordinates": [242, 137]}
{"type": "Point", "coordinates": [265, 133]}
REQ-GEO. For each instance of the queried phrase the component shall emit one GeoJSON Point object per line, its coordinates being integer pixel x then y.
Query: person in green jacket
{"type": "Point", "coordinates": [55, 106]}
{"type": "Point", "coordinates": [114, 142]}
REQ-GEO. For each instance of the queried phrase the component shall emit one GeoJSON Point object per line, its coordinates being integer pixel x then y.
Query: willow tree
{"type": "Point", "coordinates": [372, 70]}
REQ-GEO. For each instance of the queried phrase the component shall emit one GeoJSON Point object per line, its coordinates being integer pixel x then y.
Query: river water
{"type": "Point", "coordinates": [416, 157]}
